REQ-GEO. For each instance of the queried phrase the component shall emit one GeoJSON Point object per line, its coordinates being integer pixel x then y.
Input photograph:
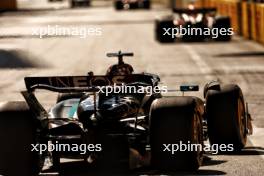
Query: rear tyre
{"type": "Point", "coordinates": [146, 4]}
{"type": "Point", "coordinates": [119, 5]}
{"type": "Point", "coordinates": [160, 26]}
{"type": "Point", "coordinates": [225, 112]}
{"type": "Point", "coordinates": [17, 133]}
{"type": "Point", "coordinates": [88, 3]}
{"type": "Point", "coordinates": [173, 121]}
{"type": "Point", "coordinates": [73, 4]}
{"type": "Point", "coordinates": [222, 23]}
{"type": "Point", "coordinates": [194, 38]}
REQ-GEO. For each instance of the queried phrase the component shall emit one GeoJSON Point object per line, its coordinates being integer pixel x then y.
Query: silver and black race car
{"type": "Point", "coordinates": [132, 4]}
{"type": "Point", "coordinates": [133, 119]}
{"type": "Point", "coordinates": [193, 25]}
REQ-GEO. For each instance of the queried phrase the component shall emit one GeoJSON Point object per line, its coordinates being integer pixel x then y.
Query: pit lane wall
{"type": "Point", "coordinates": [8, 5]}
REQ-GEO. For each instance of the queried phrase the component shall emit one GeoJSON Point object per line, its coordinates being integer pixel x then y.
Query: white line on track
{"type": "Point", "coordinates": [202, 65]}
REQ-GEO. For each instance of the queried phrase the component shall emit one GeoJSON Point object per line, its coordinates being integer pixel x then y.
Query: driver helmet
{"type": "Point", "coordinates": [120, 69]}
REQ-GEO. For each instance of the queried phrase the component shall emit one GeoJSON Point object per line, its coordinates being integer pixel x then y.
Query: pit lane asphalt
{"type": "Point", "coordinates": [240, 61]}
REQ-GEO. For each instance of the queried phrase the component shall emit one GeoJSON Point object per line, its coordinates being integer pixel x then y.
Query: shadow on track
{"type": "Point", "coordinates": [18, 59]}
{"type": "Point", "coordinates": [252, 150]}
{"type": "Point", "coordinates": [207, 161]}
{"type": "Point", "coordinates": [80, 168]}
{"type": "Point", "coordinates": [242, 54]}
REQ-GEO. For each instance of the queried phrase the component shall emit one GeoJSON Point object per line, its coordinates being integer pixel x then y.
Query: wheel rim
{"type": "Point", "coordinates": [241, 120]}
{"type": "Point", "coordinates": [197, 138]}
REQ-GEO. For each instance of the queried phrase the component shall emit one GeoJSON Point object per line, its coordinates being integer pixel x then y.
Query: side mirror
{"type": "Point", "coordinates": [187, 88]}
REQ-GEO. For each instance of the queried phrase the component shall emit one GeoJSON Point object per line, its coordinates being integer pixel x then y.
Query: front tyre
{"type": "Point", "coordinates": [146, 4]}
{"type": "Point", "coordinates": [119, 5]}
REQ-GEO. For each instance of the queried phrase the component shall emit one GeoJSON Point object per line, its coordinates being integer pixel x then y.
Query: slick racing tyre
{"type": "Point", "coordinates": [160, 26]}
{"type": "Point", "coordinates": [222, 22]}
{"type": "Point", "coordinates": [17, 133]}
{"type": "Point", "coordinates": [199, 37]}
{"type": "Point", "coordinates": [146, 4]}
{"type": "Point", "coordinates": [88, 3]}
{"type": "Point", "coordinates": [175, 121]}
{"type": "Point", "coordinates": [119, 5]}
{"type": "Point", "coordinates": [73, 4]}
{"type": "Point", "coordinates": [225, 112]}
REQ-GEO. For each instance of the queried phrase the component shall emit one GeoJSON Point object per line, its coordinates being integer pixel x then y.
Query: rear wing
{"type": "Point", "coordinates": [194, 11]}
{"type": "Point", "coordinates": [85, 83]}
{"type": "Point", "coordinates": [69, 84]}
{"type": "Point", "coordinates": [119, 54]}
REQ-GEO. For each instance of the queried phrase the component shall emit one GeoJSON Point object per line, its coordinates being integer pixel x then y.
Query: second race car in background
{"type": "Point", "coordinates": [192, 19]}
{"type": "Point", "coordinates": [132, 4]}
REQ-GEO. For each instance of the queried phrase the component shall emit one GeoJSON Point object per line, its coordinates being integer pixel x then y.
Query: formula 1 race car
{"type": "Point", "coordinates": [193, 25]}
{"type": "Point", "coordinates": [132, 4]}
{"type": "Point", "coordinates": [84, 3]}
{"type": "Point", "coordinates": [117, 114]}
